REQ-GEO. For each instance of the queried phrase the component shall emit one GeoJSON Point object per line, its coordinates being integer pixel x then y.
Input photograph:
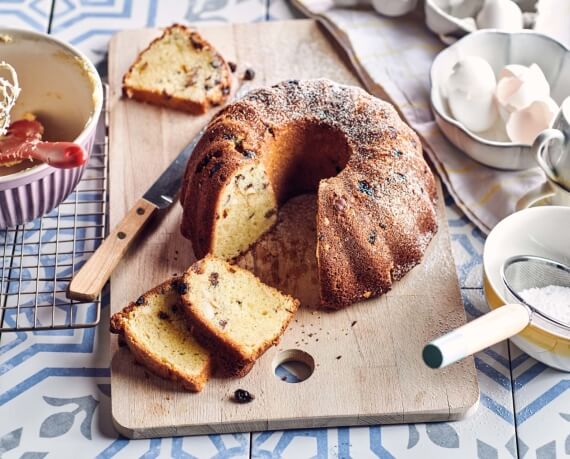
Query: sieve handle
{"type": "Point", "coordinates": [493, 327]}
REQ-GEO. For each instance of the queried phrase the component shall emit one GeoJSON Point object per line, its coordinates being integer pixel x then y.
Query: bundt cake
{"type": "Point", "coordinates": [376, 209]}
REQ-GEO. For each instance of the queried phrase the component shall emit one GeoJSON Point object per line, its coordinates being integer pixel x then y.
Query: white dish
{"type": "Point", "coordinates": [454, 22]}
{"type": "Point", "coordinates": [499, 49]}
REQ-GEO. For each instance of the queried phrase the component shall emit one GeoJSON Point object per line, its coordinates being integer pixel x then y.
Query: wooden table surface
{"type": "Point", "coordinates": [54, 388]}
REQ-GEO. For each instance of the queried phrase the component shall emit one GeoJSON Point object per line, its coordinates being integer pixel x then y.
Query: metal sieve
{"type": "Point", "coordinates": [526, 271]}
{"type": "Point", "coordinates": [518, 274]}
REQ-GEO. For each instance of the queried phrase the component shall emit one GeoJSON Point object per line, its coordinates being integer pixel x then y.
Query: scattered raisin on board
{"type": "Point", "coordinates": [242, 396]}
{"type": "Point", "coordinates": [249, 74]}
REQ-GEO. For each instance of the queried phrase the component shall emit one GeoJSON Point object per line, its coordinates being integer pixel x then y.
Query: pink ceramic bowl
{"type": "Point", "coordinates": [61, 86]}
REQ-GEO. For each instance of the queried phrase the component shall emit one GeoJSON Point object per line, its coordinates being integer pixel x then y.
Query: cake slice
{"type": "Point", "coordinates": [179, 70]}
{"type": "Point", "coordinates": [234, 314]}
{"type": "Point", "coordinates": [156, 332]}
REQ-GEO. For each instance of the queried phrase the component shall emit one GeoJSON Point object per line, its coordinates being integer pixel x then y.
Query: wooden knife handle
{"type": "Point", "coordinates": [89, 281]}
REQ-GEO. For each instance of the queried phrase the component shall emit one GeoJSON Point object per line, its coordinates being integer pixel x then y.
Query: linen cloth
{"type": "Point", "coordinates": [393, 57]}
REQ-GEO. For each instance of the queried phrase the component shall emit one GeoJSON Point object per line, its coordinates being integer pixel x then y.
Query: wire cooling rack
{"type": "Point", "coordinates": [40, 258]}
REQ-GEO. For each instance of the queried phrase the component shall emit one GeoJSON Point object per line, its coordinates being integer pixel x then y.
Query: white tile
{"type": "Point", "coordinates": [542, 402]}
{"type": "Point", "coordinates": [26, 14]}
{"type": "Point", "coordinates": [90, 25]}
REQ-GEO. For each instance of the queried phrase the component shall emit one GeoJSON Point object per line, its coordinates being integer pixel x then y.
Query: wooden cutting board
{"type": "Point", "coordinates": [379, 376]}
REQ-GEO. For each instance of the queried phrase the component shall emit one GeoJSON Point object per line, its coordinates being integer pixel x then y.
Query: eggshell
{"type": "Point", "coordinates": [525, 124]}
{"type": "Point", "coordinates": [470, 91]}
{"type": "Point", "coordinates": [512, 70]}
{"type": "Point", "coordinates": [519, 86]}
{"type": "Point", "coordinates": [500, 14]}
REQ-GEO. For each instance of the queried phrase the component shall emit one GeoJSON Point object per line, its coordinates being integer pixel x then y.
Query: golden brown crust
{"type": "Point", "coordinates": [143, 355]}
{"type": "Point", "coordinates": [232, 359]}
{"type": "Point", "coordinates": [165, 100]}
{"type": "Point", "coordinates": [162, 98]}
{"type": "Point", "coordinates": [375, 218]}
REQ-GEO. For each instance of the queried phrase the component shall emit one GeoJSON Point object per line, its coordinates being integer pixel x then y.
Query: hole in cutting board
{"type": "Point", "coordinates": [293, 366]}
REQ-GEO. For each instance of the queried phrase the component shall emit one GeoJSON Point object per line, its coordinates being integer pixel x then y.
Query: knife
{"type": "Point", "coordinates": [91, 278]}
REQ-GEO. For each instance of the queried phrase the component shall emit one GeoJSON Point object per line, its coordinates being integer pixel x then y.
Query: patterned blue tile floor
{"type": "Point", "coordinates": [55, 387]}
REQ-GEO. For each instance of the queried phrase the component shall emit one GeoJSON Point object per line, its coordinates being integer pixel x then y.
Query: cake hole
{"type": "Point", "coordinates": [303, 154]}
{"type": "Point", "coordinates": [293, 366]}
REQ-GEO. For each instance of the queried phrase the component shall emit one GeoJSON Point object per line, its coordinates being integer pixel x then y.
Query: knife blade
{"type": "Point", "coordinates": [164, 191]}
{"type": "Point", "coordinates": [91, 278]}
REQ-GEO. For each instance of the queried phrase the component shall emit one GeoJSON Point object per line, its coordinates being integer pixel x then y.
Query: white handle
{"type": "Point", "coordinates": [493, 327]}
{"type": "Point", "coordinates": [539, 147]}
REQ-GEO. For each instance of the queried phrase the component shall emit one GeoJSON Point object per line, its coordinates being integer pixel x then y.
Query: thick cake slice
{"type": "Point", "coordinates": [179, 70]}
{"type": "Point", "coordinates": [156, 332]}
{"type": "Point", "coordinates": [233, 313]}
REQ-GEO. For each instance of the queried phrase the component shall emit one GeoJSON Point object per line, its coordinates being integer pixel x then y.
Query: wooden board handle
{"type": "Point", "coordinates": [489, 329]}
{"type": "Point", "coordinates": [89, 281]}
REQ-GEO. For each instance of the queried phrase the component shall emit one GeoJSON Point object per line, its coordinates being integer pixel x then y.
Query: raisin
{"type": "Point", "coordinates": [140, 300]}
{"type": "Point", "coordinates": [223, 323]}
{"type": "Point", "coordinates": [174, 308]}
{"type": "Point", "coordinates": [382, 225]}
{"type": "Point", "coordinates": [372, 237]}
{"type": "Point", "coordinates": [249, 74]}
{"type": "Point", "coordinates": [248, 154]}
{"type": "Point", "coordinates": [215, 168]}
{"type": "Point", "coordinates": [338, 357]}
{"type": "Point", "coordinates": [365, 187]}
{"type": "Point", "coordinates": [270, 213]}
{"type": "Point", "coordinates": [294, 82]}
{"type": "Point", "coordinates": [163, 315]}
{"type": "Point", "coordinates": [206, 160]}
{"type": "Point", "coordinates": [214, 279]}
{"type": "Point", "coordinates": [396, 153]}
{"type": "Point", "coordinates": [180, 287]}
{"type": "Point", "coordinates": [401, 177]}
{"type": "Point", "coordinates": [242, 396]}
{"type": "Point", "coordinates": [197, 44]}
{"type": "Point", "coordinates": [233, 66]}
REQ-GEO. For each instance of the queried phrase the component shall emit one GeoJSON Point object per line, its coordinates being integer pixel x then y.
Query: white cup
{"type": "Point", "coordinates": [552, 150]}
